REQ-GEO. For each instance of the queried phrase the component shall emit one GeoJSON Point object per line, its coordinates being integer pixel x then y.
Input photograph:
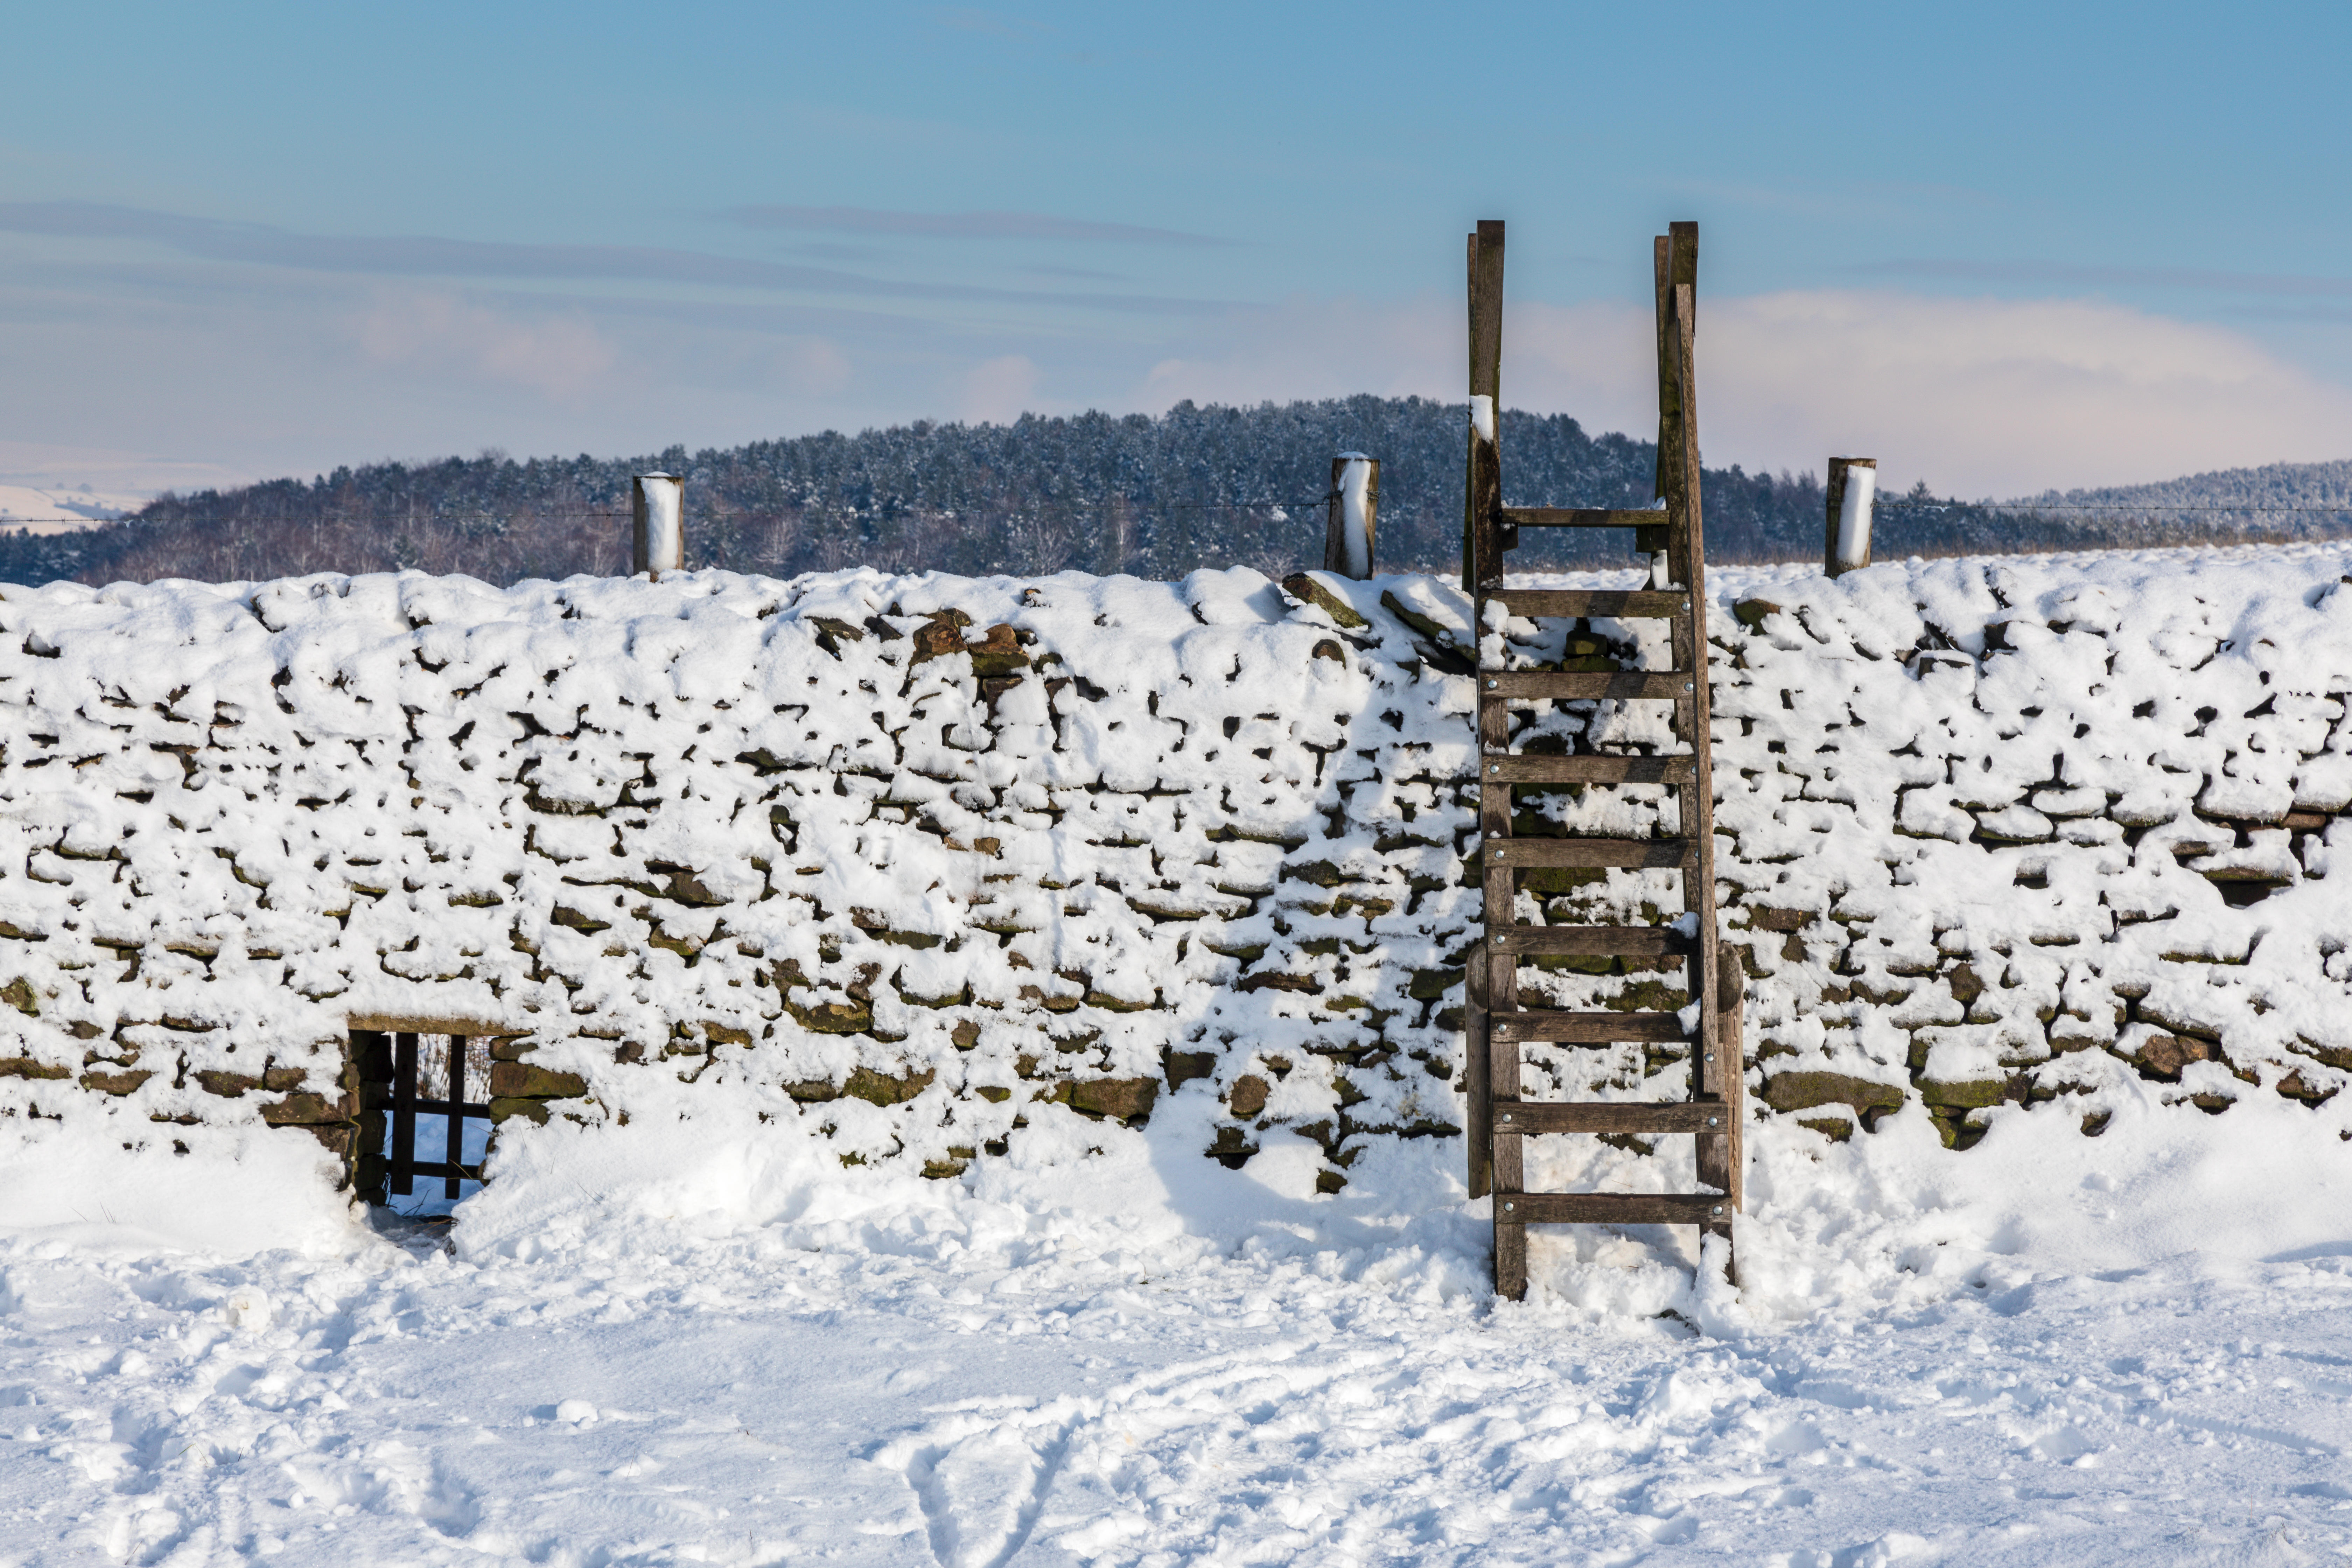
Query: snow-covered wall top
{"type": "Point", "coordinates": [918, 857]}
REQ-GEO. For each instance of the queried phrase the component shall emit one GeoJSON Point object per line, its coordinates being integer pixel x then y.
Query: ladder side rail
{"type": "Point", "coordinates": [1721, 1154]}
{"type": "Point", "coordinates": [1697, 868]}
{"type": "Point", "coordinates": [1672, 483]}
{"type": "Point", "coordinates": [1485, 502]}
{"type": "Point", "coordinates": [1481, 490]}
{"type": "Point", "coordinates": [1477, 1090]}
{"type": "Point", "coordinates": [1721, 1075]}
{"type": "Point", "coordinates": [1499, 887]}
{"type": "Point", "coordinates": [1482, 521]}
{"type": "Point", "coordinates": [1735, 1100]}
{"type": "Point", "coordinates": [1686, 527]}
{"type": "Point", "coordinates": [1669, 467]}
{"type": "Point", "coordinates": [1476, 1093]}
{"type": "Point", "coordinates": [1470, 454]}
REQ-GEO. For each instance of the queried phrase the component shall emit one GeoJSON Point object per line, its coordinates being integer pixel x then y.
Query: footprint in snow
{"type": "Point", "coordinates": [980, 1486]}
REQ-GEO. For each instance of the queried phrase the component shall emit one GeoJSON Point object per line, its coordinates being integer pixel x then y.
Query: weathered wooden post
{"type": "Point", "coordinates": [1352, 515]}
{"type": "Point", "coordinates": [1854, 486]}
{"type": "Point", "coordinates": [657, 524]}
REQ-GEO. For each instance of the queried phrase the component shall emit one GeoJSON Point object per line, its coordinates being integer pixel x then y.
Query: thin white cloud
{"type": "Point", "coordinates": [1998, 398]}
{"type": "Point", "coordinates": [2004, 397]}
{"type": "Point", "coordinates": [999, 390]}
{"type": "Point", "coordinates": [560, 357]}
{"type": "Point", "coordinates": [432, 255]}
{"type": "Point", "coordinates": [300, 364]}
{"type": "Point", "coordinates": [2077, 276]}
{"type": "Point", "coordinates": [1318, 348]}
{"type": "Point", "coordinates": [960, 225]}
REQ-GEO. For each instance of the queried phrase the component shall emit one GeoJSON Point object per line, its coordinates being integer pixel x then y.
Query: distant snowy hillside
{"type": "Point", "coordinates": [2328, 485]}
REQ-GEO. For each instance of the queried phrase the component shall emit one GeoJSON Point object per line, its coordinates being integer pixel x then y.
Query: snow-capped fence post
{"type": "Point", "coordinates": [1352, 514]}
{"type": "Point", "coordinates": [657, 524]}
{"type": "Point", "coordinates": [1854, 486]}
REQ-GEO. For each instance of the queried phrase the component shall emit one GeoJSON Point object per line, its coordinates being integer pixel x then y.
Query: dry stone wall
{"type": "Point", "coordinates": [2009, 830]}
{"type": "Point", "coordinates": [916, 855]}
{"type": "Point", "coordinates": [921, 858]}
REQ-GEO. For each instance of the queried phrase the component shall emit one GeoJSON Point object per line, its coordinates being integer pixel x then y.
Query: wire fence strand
{"type": "Point", "coordinates": [1882, 504]}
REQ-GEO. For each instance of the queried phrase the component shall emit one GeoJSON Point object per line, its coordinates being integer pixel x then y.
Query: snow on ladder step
{"type": "Point", "coordinates": [1585, 853]}
{"type": "Point", "coordinates": [1582, 517]}
{"type": "Point", "coordinates": [1533, 1117]}
{"type": "Point", "coordinates": [1575, 603]}
{"type": "Point", "coordinates": [1652, 942]}
{"type": "Point", "coordinates": [1578, 685]}
{"type": "Point", "coordinates": [1612, 1208]}
{"type": "Point", "coordinates": [1503, 768]}
{"type": "Point", "coordinates": [1605, 1029]}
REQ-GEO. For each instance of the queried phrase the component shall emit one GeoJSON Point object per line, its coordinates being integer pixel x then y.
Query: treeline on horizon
{"type": "Point", "coordinates": [1155, 497]}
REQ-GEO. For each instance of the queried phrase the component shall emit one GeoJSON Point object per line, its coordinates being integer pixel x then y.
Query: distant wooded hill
{"type": "Point", "coordinates": [1156, 497]}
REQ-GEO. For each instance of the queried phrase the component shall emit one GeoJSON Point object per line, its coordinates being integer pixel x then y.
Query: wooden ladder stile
{"type": "Point", "coordinates": [1496, 1025]}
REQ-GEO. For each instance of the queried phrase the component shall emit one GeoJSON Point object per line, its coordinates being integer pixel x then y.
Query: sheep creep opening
{"type": "Point", "coordinates": [397, 1071]}
{"type": "Point", "coordinates": [1497, 1025]}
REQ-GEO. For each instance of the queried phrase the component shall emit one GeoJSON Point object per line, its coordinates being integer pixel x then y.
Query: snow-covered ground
{"type": "Point", "coordinates": [672, 1345]}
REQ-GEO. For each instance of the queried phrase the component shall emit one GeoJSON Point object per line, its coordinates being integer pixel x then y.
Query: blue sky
{"type": "Point", "coordinates": [1998, 247]}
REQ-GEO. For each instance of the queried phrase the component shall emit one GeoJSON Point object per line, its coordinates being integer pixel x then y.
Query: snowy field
{"type": "Point", "coordinates": [706, 1341]}
{"type": "Point", "coordinates": [733, 1355]}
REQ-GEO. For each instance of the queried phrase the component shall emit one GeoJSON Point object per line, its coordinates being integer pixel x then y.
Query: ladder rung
{"type": "Point", "coordinates": [1589, 1028]}
{"type": "Point", "coordinates": [1588, 769]}
{"type": "Point", "coordinates": [1569, 604]}
{"type": "Point", "coordinates": [1610, 1208]}
{"type": "Point", "coordinates": [1565, 686]}
{"type": "Point", "coordinates": [1633, 940]}
{"type": "Point", "coordinates": [1535, 1116]}
{"type": "Point", "coordinates": [1581, 516]}
{"type": "Point", "coordinates": [1590, 852]}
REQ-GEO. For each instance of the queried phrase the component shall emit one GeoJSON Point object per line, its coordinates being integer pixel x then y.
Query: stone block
{"type": "Point", "coordinates": [513, 1080]}
{"type": "Point", "coordinates": [306, 1107]}
{"type": "Point", "coordinates": [1967, 1094]}
{"type": "Point", "coordinates": [1122, 1098]}
{"type": "Point", "coordinates": [1247, 1097]}
{"type": "Point", "coordinates": [1303, 587]}
{"type": "Point", "coordinates": [1429, 984]}
{"type": "Point", "coordinates": [1836, 1129]}
{"type": "Point", "coordinates": [2161, 1058]}
{"type": "Point", "coordinates": [851, 1018]}
{"type": "Point", "coordinates": [879, 1088]}
{"type": "Point", "coordinates": [1181, 1067]}
{"type": "Point", "coordinates": [1804, 1091]}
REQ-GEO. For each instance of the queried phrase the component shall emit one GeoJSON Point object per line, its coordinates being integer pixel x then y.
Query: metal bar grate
{"type": "Point", "coordinates": [394, 1068]}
